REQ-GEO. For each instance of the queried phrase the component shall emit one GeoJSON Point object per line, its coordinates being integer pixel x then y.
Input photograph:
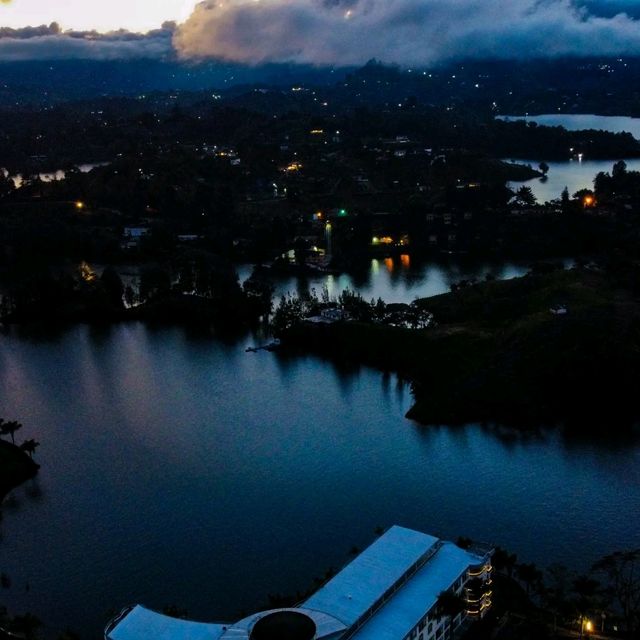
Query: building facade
{"type": "Point", "coordinates": [391, 591]}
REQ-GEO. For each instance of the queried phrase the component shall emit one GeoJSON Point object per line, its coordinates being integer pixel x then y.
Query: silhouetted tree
{"type": "Point", "coordinates": [622, 570]}
{"type": "Point", "coordinates": [529, 574]}
{"type": "Point", "coordinates": [29, 446]}
{"type": "Point", "coordinates": [9, 428]}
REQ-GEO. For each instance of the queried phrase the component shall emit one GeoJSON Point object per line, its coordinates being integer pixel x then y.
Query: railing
{"type": "Point", "coordinates": [116, 620]}
{"type": "Point", "coordinates": [400, 582]}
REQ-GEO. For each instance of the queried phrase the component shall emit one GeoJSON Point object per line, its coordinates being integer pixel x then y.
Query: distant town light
{"type": "Point", "coordinates": [79, 205]}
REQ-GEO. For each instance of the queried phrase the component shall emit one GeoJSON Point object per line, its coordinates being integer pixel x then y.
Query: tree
{"type": "Point", "coordinates": [622, 571]}
{"type": "Point", "coordinates": [544, 167]}
{"type": "Point", "coordinates": [564, 198]}
{"type": "Point", "coordinates": [449, 604]}
{"type": "Point", "coordinates": [619, 169]}
{"type": "Point", "coordinates": [586, 592]}
{"type": "Point", "coordinates": [29, 446]}
{"type": "Point", "coordinates": [504, 561]}
{"type": "Point", "coordinates": [112, 284]}
{"type": "Point", "coordinates": [529, 574]}
{"type": "Point", "coordinates": [556, 593]}
{"type": "Point", "coordinates": [525, 197]}
{"type": "Point", "coordinates": [9, 428]}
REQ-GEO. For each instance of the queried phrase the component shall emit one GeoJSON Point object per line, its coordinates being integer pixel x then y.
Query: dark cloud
{"type": "Point", "coordinates": [404, 31]}
{"type": "Point", "coordinates": [50, 43]}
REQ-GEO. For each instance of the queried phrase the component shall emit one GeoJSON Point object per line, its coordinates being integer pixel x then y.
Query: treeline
{"type": "Point", "coordinates": [605, 599]}
{"type": "Point", "coordinates": [197, 289]}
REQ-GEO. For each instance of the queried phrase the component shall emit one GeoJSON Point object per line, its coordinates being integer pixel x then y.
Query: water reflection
{"type": "Point", "coordinates": [572, 174]}
{"type": "Point", "coordinates": [400, 279]}
{"type": "Point", "coordinates": [180, 469]}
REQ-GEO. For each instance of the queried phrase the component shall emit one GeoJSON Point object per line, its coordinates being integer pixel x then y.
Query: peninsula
{"type": "Point", "coordinates": [553, 347]}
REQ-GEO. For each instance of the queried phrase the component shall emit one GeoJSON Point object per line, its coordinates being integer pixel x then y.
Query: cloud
{"type": "Point", "coordinates": [50, 43]}
{"type": "Point", "coordinates": [412, 32]}
{"type": "Point", "coordinates": [610, 8]}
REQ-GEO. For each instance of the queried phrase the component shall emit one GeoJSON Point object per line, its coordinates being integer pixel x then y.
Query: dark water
{"type": "Point", "coordinates": [180, 469]}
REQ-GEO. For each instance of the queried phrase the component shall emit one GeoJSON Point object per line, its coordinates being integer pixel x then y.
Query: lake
{"type": "Point", "coordinates": [581, 121]}
{"type": "Point", "coordinates": [178, 469]}
{"type": "Point", "coordinates": [398, 279]}
{"type": "Point", "coordinates": [573, 174]}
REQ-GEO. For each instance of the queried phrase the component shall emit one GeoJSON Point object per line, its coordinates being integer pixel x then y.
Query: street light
{"type": "Point", "coordinates": [585, 625]}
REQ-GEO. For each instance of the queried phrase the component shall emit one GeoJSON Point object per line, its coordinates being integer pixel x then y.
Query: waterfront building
{"type": "Point", "coordinates": [391, 591]}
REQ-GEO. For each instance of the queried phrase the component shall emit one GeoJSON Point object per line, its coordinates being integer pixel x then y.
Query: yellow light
{"type": "Point", "coordinates": [588, 625]}
{"type": "Point", "coordinates": [79, 205]}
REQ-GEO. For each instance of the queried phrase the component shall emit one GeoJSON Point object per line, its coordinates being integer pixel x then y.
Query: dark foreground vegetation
{"type": "Point", "coordinates": [16, 462]}
{"type": "Point", "coordinates": [552, 347]}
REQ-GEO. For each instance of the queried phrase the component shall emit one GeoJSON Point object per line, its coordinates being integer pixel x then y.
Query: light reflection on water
{"type": "Point", "coordinates": [572, 174]}
{"type": "Point", "coordinates": [395, 279]}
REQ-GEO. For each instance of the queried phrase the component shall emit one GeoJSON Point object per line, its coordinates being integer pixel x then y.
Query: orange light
{"type": "Point", "coordinates": [589, 201]}
{"type": "Point", "coordinates": [388, 262]}
{"type": "Point", "coordinates": [405, 259]}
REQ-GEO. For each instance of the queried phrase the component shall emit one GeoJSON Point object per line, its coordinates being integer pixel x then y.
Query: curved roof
{"type": "Point", "coordinates": [142, 623]}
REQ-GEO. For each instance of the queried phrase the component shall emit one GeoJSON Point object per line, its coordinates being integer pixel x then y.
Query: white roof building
{"type": "Point", "coordinates": [388, 592]}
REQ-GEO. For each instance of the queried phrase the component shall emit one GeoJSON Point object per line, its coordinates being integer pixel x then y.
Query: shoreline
{"type": "Point", "coordinates": [501, 354]}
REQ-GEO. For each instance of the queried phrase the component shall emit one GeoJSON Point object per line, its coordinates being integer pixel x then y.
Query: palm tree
{"type": "Point", "coordinates": [10, 428]}
{"type": "Point", "coordinates": [504, 561]}
{"type": "Point", "coordinates": [29, 446]}
{"type": "Point", "coordinates": [449, 604]}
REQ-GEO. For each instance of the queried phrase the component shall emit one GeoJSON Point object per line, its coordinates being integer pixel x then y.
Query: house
{"type": "Point", "coordinates": [131, 236]}
{"type": "Point", "coordinates": [388, 592]}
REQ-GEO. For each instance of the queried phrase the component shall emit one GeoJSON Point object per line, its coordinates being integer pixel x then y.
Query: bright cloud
{"type": "Point", "coordinates": [403, 31]}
